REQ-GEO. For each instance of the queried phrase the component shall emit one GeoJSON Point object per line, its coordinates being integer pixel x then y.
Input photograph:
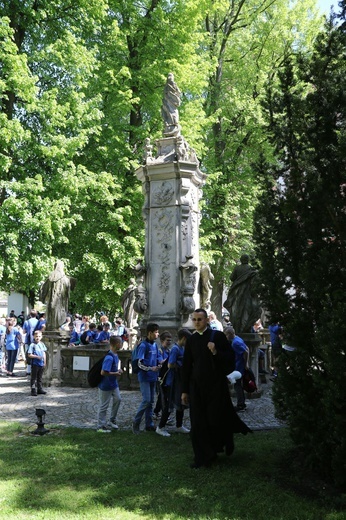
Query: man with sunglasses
{"type": "Point", "coordinates": [208, 358]}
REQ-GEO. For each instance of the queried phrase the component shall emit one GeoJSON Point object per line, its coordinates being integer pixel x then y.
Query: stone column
{"type": "Point", "coordinates": [171, 184]}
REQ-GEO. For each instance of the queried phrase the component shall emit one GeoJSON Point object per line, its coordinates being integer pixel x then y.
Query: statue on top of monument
{"type": "Point", "coordinates": [170, 103]}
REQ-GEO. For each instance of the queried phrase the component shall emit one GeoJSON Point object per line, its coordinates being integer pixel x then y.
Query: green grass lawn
{"type": "Point", "coordinates": [80, 474]}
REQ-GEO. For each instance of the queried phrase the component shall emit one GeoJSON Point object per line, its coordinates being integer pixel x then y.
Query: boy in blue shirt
{"type": "Point", "coordinates": [172, 386]}
{"type": "Point", "coordinates": [241, 362]}
{"type": "Point", "coordinates": [37, 354]}
{"type": "Point", "coordinates": [149, 363]}
{"type": "Point", "coordinates": [108, 389]}
{"type": "Point", "coordinates": [104, 335]}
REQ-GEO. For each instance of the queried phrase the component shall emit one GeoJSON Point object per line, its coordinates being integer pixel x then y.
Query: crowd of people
{"type": "Point", "coordinates": [21, 339]}
{"type": "Point", "coordinates": [84, 331]}
{"type": "Point", "coordinates": [188, 373]}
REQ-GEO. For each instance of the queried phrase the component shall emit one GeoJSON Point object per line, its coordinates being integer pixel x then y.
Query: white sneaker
{"type": "Point", "coordinates": [182, 429]}
{"type": "Point", "coordinates": [162, 432]}
{"type": "Point", "coordinates": [104, 429]}
{"type": "Point", "coordinates": [113, 425]}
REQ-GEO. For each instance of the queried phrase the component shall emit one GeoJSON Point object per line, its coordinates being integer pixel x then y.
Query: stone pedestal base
{"type": "Point", "coordinates": [253, 341]}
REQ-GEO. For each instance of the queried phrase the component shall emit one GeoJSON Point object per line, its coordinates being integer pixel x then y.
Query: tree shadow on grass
{"type": "Point", "coordinates": [85, 474]}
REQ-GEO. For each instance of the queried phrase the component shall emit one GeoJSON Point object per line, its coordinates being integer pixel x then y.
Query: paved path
{"type": "Point", "coordinates": [67, 406]}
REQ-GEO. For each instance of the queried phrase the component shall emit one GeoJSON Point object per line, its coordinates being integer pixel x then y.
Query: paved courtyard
{"type": "Point", "coordinates": [67, 406]}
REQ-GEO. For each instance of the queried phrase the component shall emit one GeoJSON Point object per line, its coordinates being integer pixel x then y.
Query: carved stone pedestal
{"type": "Point", "coordinates": [171, 184]}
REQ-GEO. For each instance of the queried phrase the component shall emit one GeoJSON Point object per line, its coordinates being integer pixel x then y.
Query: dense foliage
{"type": "Point", "coordinates": [81, 88]}
{"type": "Point", "coordinates": [301, 239]}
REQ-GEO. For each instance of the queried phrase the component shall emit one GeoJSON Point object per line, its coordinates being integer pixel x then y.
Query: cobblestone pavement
{"type": "Point", "coordinates": [67, 406]}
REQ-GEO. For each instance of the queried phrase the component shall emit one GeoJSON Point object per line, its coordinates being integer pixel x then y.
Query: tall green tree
{"type": "Point", "coordinates": [139, 44]}
{"type": "Point", "coordinates": [46, 121]}
{"type": "Point", "coordinates": [82, 88]}
{"type": "Point", "coordinates": [300, 241]}
{"type": "Point", "coordinates": [248, 42]}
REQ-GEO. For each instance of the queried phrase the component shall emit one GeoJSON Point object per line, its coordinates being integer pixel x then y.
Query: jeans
{"type": "Point", "coordinates": [105, 397]}
{"type": "Point", "coordinates": [11, 359]}
{"type": "Point", "coordinates": [146, 406]}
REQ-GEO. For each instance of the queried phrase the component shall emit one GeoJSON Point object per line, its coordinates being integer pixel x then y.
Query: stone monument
{"type": "Point", "coordinates": [168, 279]}
{"type": "Point", "coordinates": [55, 293]}
{"type": "Point", "coordinates": [244, 309]}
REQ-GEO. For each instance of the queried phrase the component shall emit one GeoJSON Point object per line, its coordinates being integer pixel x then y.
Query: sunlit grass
{"type": "Point", "coordinates": [79, 474]}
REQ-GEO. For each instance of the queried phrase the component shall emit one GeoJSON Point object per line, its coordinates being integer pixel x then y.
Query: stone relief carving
{"type": "Point", "coordinates": [164, 226]}
{"type": "Point", "coordinates": [188, 269]}
{"type": "Point", "coordinates": [163, 194]}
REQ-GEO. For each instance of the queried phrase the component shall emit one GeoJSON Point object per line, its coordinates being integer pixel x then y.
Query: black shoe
{"type": "Point", "coordinates": [34, 393]}
{"type": "Point", "coordinates": [240, 408]}
{"type": "Point", "coordinates": [41, 391]}
{"type": "Point", "coordinates": [196, 465]}
{"type": "Point", "coordinates": [206, 464]}
{"type": "Point", "coordinates": [150, 429]}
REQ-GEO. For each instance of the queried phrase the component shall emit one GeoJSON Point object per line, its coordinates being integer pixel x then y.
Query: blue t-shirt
{"type": "Point", "coordinates": [40, 324]}
{"type": "Point", "coordinates": [37, 349]}
{"type": "Point", "coordinates": [176, 356]}
{"type": "Point", "coordinates": [274, 331]}
{"type": "Point", "coordinates": [149, 356]}
{"type": "Point", "coordinates": [103, 336]}
{"type": "Point", "coordinates": [12, 339]}
{"type": "Point", "coordinates": [110, 364]}
{"type": "Point", "coordinates": [75, 338]}
{"type": "Point", "coordinates": [91, 334]}
{"type": "Point", "coordinates": [239, 348]}
{"type": "Point", "coordinates": [29, 327]}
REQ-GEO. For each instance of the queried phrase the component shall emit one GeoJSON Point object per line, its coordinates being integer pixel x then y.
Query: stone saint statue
{"type": "Point", "coordinates": [242, 302]}
{"type": "Point", "coordinates": [55, 293]}
{"type": "Point", "coordinates": [127, 301]}
{"type": "Point", "coordinates": [205, 287]}
{"type": "Point", "coordinates": [170, 103]}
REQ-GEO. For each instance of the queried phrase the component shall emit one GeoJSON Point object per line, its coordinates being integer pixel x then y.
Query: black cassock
{"type": "Point", "coordinates": [213, 418]}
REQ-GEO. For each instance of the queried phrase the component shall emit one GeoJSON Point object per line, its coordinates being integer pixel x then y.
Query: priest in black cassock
{"type": "Point", "coordinates": [208, 358]}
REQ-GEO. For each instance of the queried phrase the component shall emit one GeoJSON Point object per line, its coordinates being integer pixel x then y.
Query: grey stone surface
{"type": "Point", "coordinates": [66, 406]}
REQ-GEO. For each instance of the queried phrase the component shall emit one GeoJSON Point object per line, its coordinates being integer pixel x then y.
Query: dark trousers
{"type": "Point", "coordinates": [11, 359]}
{"type": "Point", "coordinates": [165, 394]}
{"type": "Point", "coordinates": [238, 388]}
{"type": "Point", "coordinates": [36, 377]}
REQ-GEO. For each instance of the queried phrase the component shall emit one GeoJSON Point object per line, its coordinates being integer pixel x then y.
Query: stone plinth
{"type": "Point", "coordinates": [76, 362]}
{"type": "Point", "coordinates": [253, 341]}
